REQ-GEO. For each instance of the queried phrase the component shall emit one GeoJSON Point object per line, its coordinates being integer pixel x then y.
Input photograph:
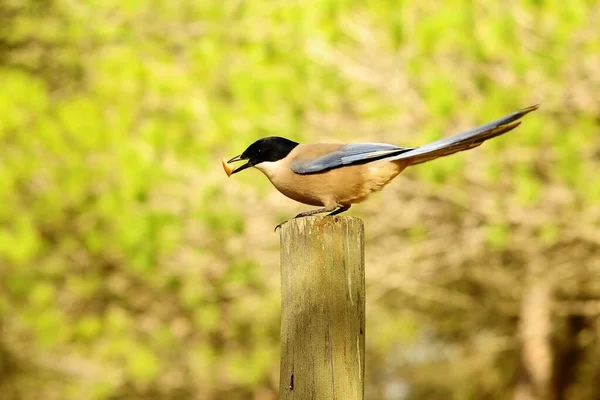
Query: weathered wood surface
{"type": "Point", "coordinates": [323, 309]}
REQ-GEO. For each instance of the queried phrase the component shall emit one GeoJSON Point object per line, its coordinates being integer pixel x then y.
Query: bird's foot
{"type": "Point", "coordinates": [339, 210]}
{"type": "Point", "coordinates": [279, 225]}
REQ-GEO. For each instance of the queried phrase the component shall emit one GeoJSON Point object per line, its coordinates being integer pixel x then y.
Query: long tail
{"type": "Point", "coordinates": [465, 140]}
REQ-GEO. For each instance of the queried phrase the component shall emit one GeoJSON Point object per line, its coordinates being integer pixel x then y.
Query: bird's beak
{"type": "Point", "coordinates": [229, 170]}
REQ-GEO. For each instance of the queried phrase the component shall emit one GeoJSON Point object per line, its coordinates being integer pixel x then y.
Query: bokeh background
{"type": "Point", "coordinates": [132, 268]}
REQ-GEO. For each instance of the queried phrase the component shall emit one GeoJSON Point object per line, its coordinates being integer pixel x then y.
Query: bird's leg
{"type": "Point", "coordinates": [305, 214]}
{"type": "Point", "coordinates": [312, 212]}
{"type": "Point", "coordinates": [336, 210]}
{"type": "Point", "coordinates": [340, 210]}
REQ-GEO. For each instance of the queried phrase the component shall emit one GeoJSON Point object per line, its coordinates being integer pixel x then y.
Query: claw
{"type": "Point", "coordinates": [279, 226]}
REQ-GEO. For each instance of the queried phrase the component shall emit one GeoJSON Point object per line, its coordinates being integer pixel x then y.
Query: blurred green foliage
{"type": "Point", "coordinates": [131, 268]}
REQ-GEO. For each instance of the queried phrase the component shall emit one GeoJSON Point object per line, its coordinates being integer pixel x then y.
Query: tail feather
{"type": "Point", "coordinates": [465, 140]}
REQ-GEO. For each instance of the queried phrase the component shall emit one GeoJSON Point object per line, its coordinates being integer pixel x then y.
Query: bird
{"type": "Point", "coordinates": [335, 176]}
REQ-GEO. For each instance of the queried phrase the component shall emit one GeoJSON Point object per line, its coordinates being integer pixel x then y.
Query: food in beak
{"type": "Point", "coordinates": [226, 167]}
{"type": "Point", "coordinates": [229, 170]}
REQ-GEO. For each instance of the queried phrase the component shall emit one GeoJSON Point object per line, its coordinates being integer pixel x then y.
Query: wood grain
{"type": "Point", "coordinates": [323, 309]}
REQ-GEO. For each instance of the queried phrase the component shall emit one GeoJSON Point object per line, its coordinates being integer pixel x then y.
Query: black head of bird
{"type": "Point", "coordinates": [268, 149]}
{"type": "Point", "coordinates": [335, 176]}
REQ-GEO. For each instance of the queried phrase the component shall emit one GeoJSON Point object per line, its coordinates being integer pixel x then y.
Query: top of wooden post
{"type": "Point", "coordinates": [319, 225]}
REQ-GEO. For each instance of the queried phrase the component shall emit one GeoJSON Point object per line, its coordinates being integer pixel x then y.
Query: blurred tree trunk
{"type": "Point", "coordinates": [567, 355]}
{"type": "Point", "coordinates": [535, 378]}
{"type": "Point", "coordinates": [595, 389]}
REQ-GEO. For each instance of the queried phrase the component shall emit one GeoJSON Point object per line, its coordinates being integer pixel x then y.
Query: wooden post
{"type": "Point", "coordinates": [323, 309]}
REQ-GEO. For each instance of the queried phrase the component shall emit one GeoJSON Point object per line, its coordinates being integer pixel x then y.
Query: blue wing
{"type": "Point", "coordinates": [350, 154]}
